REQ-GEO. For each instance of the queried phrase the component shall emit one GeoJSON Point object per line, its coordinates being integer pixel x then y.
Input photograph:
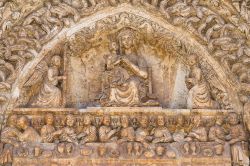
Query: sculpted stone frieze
{"type": "Point", "coordinates": [124, 82]}
{"type": "Point", "coordinates": [118, 135]}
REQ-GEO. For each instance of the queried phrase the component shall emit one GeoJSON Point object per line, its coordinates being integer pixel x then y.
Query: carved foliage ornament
{"type": "Point", "coordinates": [42, 25]}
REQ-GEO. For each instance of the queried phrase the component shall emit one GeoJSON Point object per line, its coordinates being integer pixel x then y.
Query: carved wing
{"type": "Point", "coordinates": [38, 74]}
{"type": "Point", "coordinates": [215, 82]}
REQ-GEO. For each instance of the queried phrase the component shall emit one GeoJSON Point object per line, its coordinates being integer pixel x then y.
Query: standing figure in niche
{"type": "Point", "coordinates": [238, 141]}
{"type": "Point", "coordinates": [129, 82]}
{"type": "Point", "coordinates": [50, 94]}
{"type": "Point", "coordinates": [161, 133]}
{"type": "Point", "coordinates": [89, 132]}
{"type": "Point", "coordinates": [199, 93]}
{"type": "Point", "coordinates": [106, 133]}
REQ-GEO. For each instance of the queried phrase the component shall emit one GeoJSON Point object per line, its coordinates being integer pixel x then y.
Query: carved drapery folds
{"type": "Point", "coordinates": [126, 80]}
{"type": "Point", "coordinates": [138, 136]}
{"type": "Point", "coordinates": [209, 26]}
{"type": "Point", "coordinates": [121, 56]}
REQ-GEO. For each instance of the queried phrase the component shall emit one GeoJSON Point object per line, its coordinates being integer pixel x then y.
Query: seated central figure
{"type": "Point", "coordinates": [126, 79]}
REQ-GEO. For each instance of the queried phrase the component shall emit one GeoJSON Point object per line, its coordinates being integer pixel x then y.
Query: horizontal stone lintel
{"type": "Point", "coordinates": [118, 110]}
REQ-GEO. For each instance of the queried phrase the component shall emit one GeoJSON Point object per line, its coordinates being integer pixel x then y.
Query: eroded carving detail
{"type": "Point", "coordinates": [127, 81]}
{"type": "Point", "coordinates": [146, 72]}
{"type": "Point", "coordinates": [123, 139]}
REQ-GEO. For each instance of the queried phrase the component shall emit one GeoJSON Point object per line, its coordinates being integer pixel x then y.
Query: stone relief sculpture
{"type": "Point", "coordinates": [68, 134]}
{"type": "Point", "coordinates": [212, 35]}
{"type": "Point", "coordinates": [106, 133]}
{"type": "Point", "coordinates": [199, 93]}
{"type": "Point", "coordinates": [161, 133]}
{"type": "Point", "coordinates": [237, 138]}
{"type": "Point", "coordinates": [10, 138]}
{"type": "Point", "coordinates": [198, 131]}
{"type": "Point", "coordinates": [180, 132]}
{"type": "Point", "coordinates": [29, 134]}
{"type": "Point", "coordinates": [48, 131]}
{"type": "Point", "coordinates": [144, 142]}
{"type": "Point", "coordinates": [89, 132]}
{"type": "Point", "coordinates": [50, 95]}
{"type": "Point", "coordinates": [217, 133]}
{"type": "Point", "coordinates": [126, 79]}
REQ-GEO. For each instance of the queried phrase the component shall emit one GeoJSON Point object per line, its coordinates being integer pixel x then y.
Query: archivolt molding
{"type": "Point", "coordinates": [29, 39]}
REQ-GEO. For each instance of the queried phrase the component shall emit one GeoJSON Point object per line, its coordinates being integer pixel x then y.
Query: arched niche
{"type": "Point", "coordinates": [156, 33]}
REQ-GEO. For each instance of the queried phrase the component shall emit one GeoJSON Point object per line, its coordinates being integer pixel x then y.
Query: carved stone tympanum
{"type": "Point", "coordinates": [124, 82]}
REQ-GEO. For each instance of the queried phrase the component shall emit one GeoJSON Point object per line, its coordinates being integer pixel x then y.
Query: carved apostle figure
{"type": "Point", "coordinates": [89, 132]}
{"type": "Point", "coordinates": [128, 83]}
{"type": "Point", "coordinates": [142, 134]}
{"type": "Point", "coordinates": [199, 93]}
{"type": "Point", "coordinates": [48, 131]}
{"type": "Point", "coordinates": [198, 132]}
{"type": "Point", "coordinates": [180, 132]}
{"type": "Point", "coordinates": [127, 134]}
{"type": "Point", "coordinates": [9, 136]}
{"type": "Point", "coordinates": [29, 134]}
{"type": "Point", "coordinates": [217, 133]}
{"type": "Point", "coordinates": [50, 94]}
{"type": "Point", "coordinates": [106, 133]}
{"type": "Point", "coordinates": [161, 133]}
{"type": "Point", "coordinates": [10, 133]}
{"type": "Point", "coordinates": [68, 133]}
{"type": "Point", "coordinates": [238, 141]}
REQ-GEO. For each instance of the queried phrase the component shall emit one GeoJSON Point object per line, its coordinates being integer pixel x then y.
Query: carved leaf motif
{"type": "Point", "coordinates": [179, 20]}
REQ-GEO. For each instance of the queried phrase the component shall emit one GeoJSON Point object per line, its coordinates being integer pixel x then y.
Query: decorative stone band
{"type": "Point", "coordinates": [118, 111]}
{"type": "Point", "coordinates": [48, 154]}
{"type": "Point", "coordinates": [123, 135]}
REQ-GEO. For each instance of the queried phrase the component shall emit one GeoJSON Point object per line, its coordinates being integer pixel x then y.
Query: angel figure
{"type": "Point", "coordinates": [199, 95]}
{"type": "Point", "coordinates": [49, 94]}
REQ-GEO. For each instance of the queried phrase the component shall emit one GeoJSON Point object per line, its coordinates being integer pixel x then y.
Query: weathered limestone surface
{"type": "Point", "coordinates": [124, 82]}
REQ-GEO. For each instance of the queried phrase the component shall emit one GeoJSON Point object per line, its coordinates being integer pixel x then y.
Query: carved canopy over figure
{"type": "Point", "coordinates": [199, 92]}
{"type": "Point", "coordinates": [126, 79]}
